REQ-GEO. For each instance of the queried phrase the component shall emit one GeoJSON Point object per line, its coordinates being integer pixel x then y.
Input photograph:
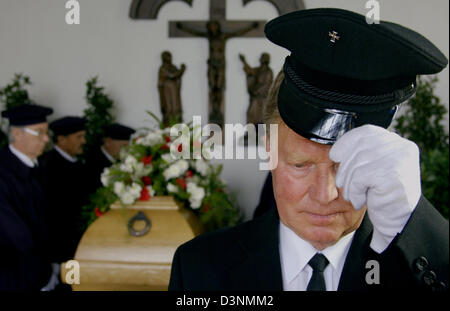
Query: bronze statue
{"type": "Point", "coordinates": [148, 9]}
{"type": "Point", "coordinates": [216, 64]}
{"type": "Point", "coordinates": [169, 86]}
{"type": "Point", "coordinates": [259, 80]}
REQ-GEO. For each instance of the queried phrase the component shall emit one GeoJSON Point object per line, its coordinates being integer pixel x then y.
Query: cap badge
{"type": "Point", "coordinates": [333, 36]}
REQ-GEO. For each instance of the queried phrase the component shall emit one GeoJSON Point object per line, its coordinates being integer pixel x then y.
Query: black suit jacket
{"type": "Point", "coordinates": [96, 162]}
{"type": "Point", "coordinates": [247, 257]}
{"type": "Point", "coordinates": [67, 191]}
{"type": "Point", "coordinates": [23, 251]}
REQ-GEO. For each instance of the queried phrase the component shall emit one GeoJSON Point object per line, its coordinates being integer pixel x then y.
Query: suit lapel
{"type": "Point", "coordinates": [354, 271]}
{"type": "Point", "coordinates": [260, 268]}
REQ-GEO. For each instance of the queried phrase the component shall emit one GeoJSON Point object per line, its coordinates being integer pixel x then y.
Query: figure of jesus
{"type": "Point", "coordinates": [216, 64]}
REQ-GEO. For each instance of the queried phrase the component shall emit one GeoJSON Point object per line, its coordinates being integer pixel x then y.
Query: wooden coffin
{"type": "Point", "coordinates": [110, 258]}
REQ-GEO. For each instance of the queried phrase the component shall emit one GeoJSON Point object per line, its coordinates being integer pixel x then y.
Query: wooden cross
{"type": "Point", "coordinates": [217, 30]}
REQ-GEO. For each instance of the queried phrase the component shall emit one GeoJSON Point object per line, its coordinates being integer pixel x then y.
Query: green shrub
{"type": "Point", "coordinates": [98, 114]}
{"type": "Point", "coordinates": [422, 123]}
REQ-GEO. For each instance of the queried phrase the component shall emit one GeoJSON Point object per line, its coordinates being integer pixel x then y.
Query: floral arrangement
{"type": "Point", "coordinates": [148, 168]}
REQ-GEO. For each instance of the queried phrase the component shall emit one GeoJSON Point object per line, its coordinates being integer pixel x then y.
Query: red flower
{"type": "Point", "coordinates": [147, 180]}
{"type": "Point", "coordinates": [205, 208]}
{"type": "Point", "coordinates": [165, 147]}
{"type": "Point", "coordinates": [98, 213]}
{"type": "Point", "coordinates": [181, 183]}
{"type": "Point", "coordinates": [180, 147]}
{"type": "Point", "coordinates": [147, 160]}
{"type": "Point", "coordinates": [189, 174]}
{"type": "Point", "coordinates": [167, 139]}
{"type": "Point", "coordinates": [145, 195]}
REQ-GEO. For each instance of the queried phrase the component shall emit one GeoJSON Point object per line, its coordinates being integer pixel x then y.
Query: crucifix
{"type": "Point", "coordinates": [217, 30]}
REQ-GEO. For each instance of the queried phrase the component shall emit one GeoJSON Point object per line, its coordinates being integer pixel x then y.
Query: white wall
{"type": "Point", "coordinates": [125, 53]}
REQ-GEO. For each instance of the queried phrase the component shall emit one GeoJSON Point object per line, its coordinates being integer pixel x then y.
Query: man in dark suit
{"type": "Point", "coordinates": [116, 136]}
{"type": "Point", "coordinates": [24, 265]}
{"type": "Point", "coordinates": [349, 212]}
{"type": "Point", "coordinates": [66, 180]}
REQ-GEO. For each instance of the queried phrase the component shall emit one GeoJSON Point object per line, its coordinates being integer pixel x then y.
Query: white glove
{"type": "Point", "coordinates": [54, 278]}
{"type": "Point", "coordinates": [379, 169]}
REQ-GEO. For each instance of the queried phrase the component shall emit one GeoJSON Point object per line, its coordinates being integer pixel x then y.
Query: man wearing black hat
{"type": "Point", "coordinates": [66, 179]}
{"type": "Point", "coordinates": [116, 136]}
{"type": "Point", "coordinates": [348, 214]}
{"type": "Point", "coordinates": [23, 261]}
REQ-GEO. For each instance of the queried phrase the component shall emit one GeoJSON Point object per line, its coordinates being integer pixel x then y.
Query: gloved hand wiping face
{"type": "Point", "coordinates": [379, 169]}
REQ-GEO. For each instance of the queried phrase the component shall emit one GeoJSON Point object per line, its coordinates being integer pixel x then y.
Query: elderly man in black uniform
{"type": "Point", "coordinates": [66, 180]}
{"type": "Point", "coordinates": [23, 236]}
{"type": "Point", "coordinates": [116, 136]}
{"type": "Point", "coordinates": [349, 212]}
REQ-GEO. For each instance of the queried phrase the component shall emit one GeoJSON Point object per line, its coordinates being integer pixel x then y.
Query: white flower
{"type": "Point", "coordinates": [135, 190]}
{"type": "Point", "coordinates": [128, 194]}
{"type": "Point", "coordinates": [130, 160]}
{"type": "Point", "coordinates": [153, 138]}
{"type": "Point", "coordinates": [127, 198]}
{"type": "Point", "coordinates": [123, 153]}
{"type": "Point", "coordinates": [150, 138]}
{"type": "Point", "coordinates": [171, 172]}
{"type": "Point", "coordinates": [105, 177]}
{"type": "Point", "coordinates": [183, 165]}
{"type": "Point", "coordinates": [139, 169]}
{"type": "Point", "coordinates": [176, 169]}
{"type": "Point", "coordinates": [196, 195]}
{"type": "Point", "coordinates": [126, 168]}
{"type": "Point", "coordinates": [202, 167]}
{"type": "Point", "coordinates": [172, 188]}
{"type": "Point", "coordinates": [119, 188]}
{"type": "Point", "coordinates": [167, 157]}
{"type": "Point", "coordinates": [150, 191]}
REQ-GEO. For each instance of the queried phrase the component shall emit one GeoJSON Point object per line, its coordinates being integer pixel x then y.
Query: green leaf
{"type": "Point", "coordinates": [421, 122]}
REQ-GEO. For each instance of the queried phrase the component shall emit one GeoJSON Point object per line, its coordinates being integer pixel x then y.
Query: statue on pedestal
{"type": "Point", "coordinates": [169, 86]}
{"type": "Point", "coordinates": [259, 80]}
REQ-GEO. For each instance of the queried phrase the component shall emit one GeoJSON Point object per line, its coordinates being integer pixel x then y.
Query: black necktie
{"type": "Point", "coordinates": [318, 263]}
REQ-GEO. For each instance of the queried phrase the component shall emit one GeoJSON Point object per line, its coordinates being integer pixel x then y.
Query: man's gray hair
{"type": "Point", "coordinates": [10, 130]}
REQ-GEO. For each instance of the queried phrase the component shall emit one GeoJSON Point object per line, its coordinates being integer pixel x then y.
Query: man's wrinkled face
{"type": "Point", "coordinates": [72, 143]}
{"type": "Point", "coordinates": [307, 199]}
{"type": "Point", "coordinates": [29, 144]}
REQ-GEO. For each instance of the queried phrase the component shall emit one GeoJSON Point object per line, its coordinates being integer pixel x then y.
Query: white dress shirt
{"type": "Point", "coordinates": [23, 157]}
{"type": "Point", "coordinates": [65, 155]}
{"type": "Point", "coordinates": [107, 155]}
{"type": "Point", "coordinates": [295, 254]}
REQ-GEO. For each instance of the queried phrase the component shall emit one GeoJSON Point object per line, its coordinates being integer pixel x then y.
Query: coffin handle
{"type": "Point", "coordinates": [137, 217]}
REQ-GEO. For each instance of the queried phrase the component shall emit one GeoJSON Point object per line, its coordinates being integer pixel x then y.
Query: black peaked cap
{"type": "Point", "coordinates": [68, 125]}
{"type": "Point", "coordinates": [340, 62]}
{"type": "Point", "coordinates": [27, 114]}
{"type": "Point", "coordinates": [118, 131]}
